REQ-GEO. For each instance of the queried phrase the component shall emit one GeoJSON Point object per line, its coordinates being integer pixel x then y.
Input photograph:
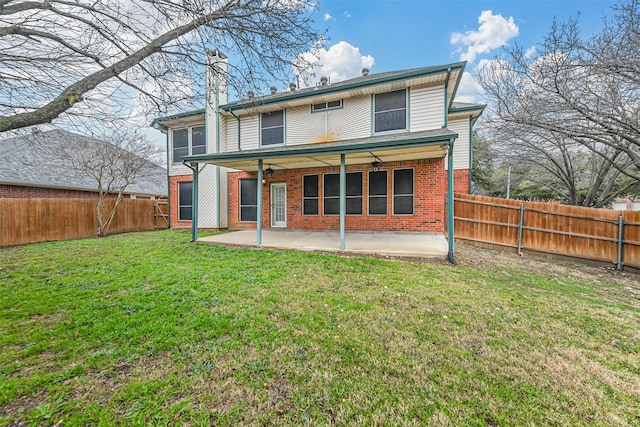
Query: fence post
{"type": "Point", "coordinates": [520, 222]}
{"type": "Point", "coordinates": [620, 242]}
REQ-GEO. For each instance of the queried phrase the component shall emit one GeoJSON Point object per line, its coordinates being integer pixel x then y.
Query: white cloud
{"type": "Point", "coordinates": [530, 52]}
{"type": "Point", "coordinates": [326, 17]}
{"type": "Point", "coordinates": [341, 62]}
{"type": "Point", "coordinates": [346, 14]}
{"type": "Point", "coordinates": [494, 31]}
{"type": "Point", "coordinates": [469, 90]}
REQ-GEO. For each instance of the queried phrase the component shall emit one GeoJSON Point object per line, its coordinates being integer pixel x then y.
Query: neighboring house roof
{"type": "Point", "coordinates": [35, 161]}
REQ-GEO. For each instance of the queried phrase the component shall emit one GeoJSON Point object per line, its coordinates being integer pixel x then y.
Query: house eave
{"type": "Point", "coordinates": [370, 85]}
{"type": "Point", "coordinates": [396, 147]}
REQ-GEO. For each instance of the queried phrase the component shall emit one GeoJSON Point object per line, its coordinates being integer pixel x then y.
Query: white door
{"type": "Point", "coordinates": [279, 205]}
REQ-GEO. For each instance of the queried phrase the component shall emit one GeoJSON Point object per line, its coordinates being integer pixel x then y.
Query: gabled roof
{"type": "Point", "coordinates": [371, 83]}
{"type": "Point", "coordinates": [34, 161]}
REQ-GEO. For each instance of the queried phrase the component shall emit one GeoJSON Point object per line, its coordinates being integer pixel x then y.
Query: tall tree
{"type": "Point", "coordinates": [570, 107]}
{"type": "Point", "coordinates": [56, 53]}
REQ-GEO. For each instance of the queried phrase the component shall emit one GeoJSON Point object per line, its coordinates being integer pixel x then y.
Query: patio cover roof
{"type": "Point", "coordinates": [387, 148]}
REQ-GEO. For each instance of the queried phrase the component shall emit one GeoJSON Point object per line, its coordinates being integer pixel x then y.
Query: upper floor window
{"type": "Point", "coordinates": [390, 111]}
{"type": "Point", "coordinates": [188, 142]}
{"type": "Point", "coordinates": [272, 128]}
{"type": "Point", "coordinates": [323, 106]}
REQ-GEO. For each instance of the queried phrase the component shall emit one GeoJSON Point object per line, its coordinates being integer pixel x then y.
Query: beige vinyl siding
{"type": "Point", "coordinates": [250, 133]}
{"type": "Point", "coordinates": [426, 108]}
{"type": "Point", "coordinates": [353, 120]}
{"type": "Point", "coordinates": [207, 200]}
{"type": "Point", "coordinates": [231, 136]}
{"type": "Point", "coordinates": [461, 145]}
{"type": "Point", "coordinates": [223, 135]}
{"type": "Point", "coordinates": [303, 127]}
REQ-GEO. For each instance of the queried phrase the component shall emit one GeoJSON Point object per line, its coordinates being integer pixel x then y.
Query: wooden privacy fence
{"type": "Point", "coordinates": [601, 235]}
{"type": "Point", "coordinates": [38, 220]}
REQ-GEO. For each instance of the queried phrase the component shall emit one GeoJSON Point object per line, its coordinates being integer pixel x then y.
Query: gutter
{"type": "Point", "coordinates": [446, 99]}
{"type": "Point", "coordinates": [238, 119]}
{"type": "Point", "coordinates": [337, 87]}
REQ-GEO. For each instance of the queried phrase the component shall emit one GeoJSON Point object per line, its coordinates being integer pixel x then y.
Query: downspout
{"type": "Point", "coordinates": [238, 119]}
{"type": "Point", "coordinates": [217, 86]}
{"type": "Point", "coordinates": [168, 185]}
{"type": "Point", "coordinates": [450, 183]}
{"type": "Point", "coordinates": [470, 152]}
{"type": "Point", "coordinates": [343, 200]}
{"type": "Point", "coordinates": [194, 208]}
{"type": "Point", "coordinates": [446, 99]}
{"type": "Point", "coordinates": [259, 196]}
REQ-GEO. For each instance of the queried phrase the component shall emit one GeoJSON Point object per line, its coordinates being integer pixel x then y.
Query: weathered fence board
{"type": "Point", "coordinates": [572, 231]}
{"type": "Point", "coordinates": [25, 221]}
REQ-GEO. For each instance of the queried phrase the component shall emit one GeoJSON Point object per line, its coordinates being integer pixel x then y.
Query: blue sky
{"type": "Point", "coordinates": [401, 34]}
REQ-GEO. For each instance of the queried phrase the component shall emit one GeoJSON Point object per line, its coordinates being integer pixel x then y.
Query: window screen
{"type": "Point", "coordinates": [198, 140]}
{"type": "Point", "coordinates": [185, 201]}
{"type": "Point", "coordinates": [326, 105]}
{"type": "Point", "coordinates": [272, 128]}
{"type": "Point", "coordinates": [378, 193]}
{"type": "Point", "coordinates": [310, 195]}
{"type": "Point", "coordinates": [180, 144]}
{"type": "Point", "coordinates": [403, 191]}
{"type": "Point", "coordinates": [248, 200]}
{"type": "Point", "coordinates": [332, 193]}
{"type": "Point", "coordinates": [390, 111]}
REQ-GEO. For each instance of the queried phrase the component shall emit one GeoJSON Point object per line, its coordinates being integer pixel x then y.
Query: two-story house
{"type": "Point", "coordinates": [380, 152]}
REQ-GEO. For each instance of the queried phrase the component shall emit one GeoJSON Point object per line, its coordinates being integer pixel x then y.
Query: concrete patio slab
{"type": "Point", "coordinates": [424, 245]}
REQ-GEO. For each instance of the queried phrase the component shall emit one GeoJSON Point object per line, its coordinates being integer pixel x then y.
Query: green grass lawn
{"type": "Point", "coordinates": [149, 329]}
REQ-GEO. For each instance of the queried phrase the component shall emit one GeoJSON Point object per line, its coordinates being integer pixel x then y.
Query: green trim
{"type": "Point", "coordinates": [158, 123]}
{"type": "Point", "coordinates": [343, 200]}
{"type": "Point", "coordinates": [217, 112]}
{"type": "Point", "coordinates": [259, 196]}
{"type": "Point", "coordinates": [338, 87]}
{"type": "Point", "coordinates": [479, 107]}
{"type": "Point", "coordinates": [306, 150]}
{"type": "Point", "coordinates": [450, 179]}
{"type": "Point", "coordinates": [446, 99]}
{"type": "Point", "coordinates": [470, 151]}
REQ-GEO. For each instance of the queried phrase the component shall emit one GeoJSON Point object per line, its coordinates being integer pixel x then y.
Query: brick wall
{"type": "Point", "coordinates": [430, 186]}
{"type": "Point", "coordinates": [461, 181]}
{"type": "Point", "coordinates": [173, 200]}
{"type": "Point", "coordinates": [22, 192]}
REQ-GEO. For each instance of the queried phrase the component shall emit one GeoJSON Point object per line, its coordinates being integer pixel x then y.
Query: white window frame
{"type": "Point", "coordinates": [319, 107]}
{"type": "Point", "coordinates": [189, 141]}
{"type": "Point", "coordinates": [374, 113]}
{"type": "Point", "coordinates": [283, 126]}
